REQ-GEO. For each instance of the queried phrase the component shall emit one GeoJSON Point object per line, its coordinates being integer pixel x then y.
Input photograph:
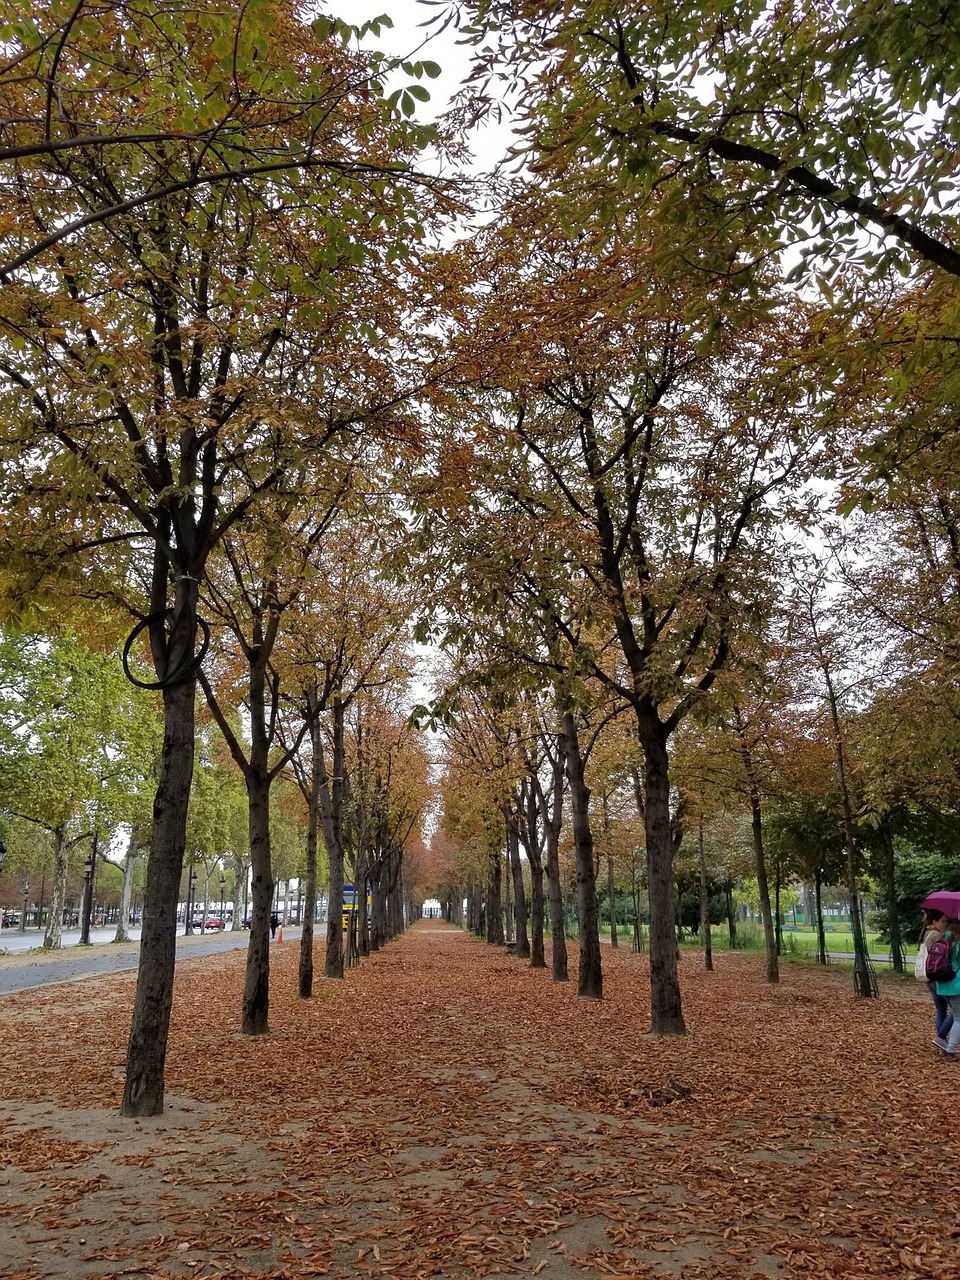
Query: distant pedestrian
{"type": "Point", "coordinates": [949, 988]}
{"type": "Point", "coordinates": [934, 931]}
{"type": "Point", "coordinates": [274, 923]}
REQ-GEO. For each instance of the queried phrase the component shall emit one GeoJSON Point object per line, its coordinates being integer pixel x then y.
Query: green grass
{"type": "Point", "coordinates": [797, 942]}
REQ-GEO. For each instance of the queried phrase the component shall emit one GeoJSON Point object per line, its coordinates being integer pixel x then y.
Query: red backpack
{"type": "Point", "coordinates": [940, 961]}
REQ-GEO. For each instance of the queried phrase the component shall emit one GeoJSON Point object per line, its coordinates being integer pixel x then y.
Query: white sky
{"type": "Point", "coordinates": [407, 39]}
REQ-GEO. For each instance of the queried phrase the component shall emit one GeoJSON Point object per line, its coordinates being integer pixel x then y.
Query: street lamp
{"type": "Point", "coordinates": [88, 865]}
{"type": "Point", "coordinates": [191, 893]}
{"type": "Point", "coordinates": [23, 914]}
{"type": "Point", "coordinates": [223, 885]}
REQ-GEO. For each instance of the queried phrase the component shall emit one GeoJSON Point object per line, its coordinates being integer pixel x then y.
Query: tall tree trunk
{"type": "Point", "coordinates": [553, 820]}
{"type": "Point", "coordinates": [150, 1025]}
{"type": "Point", "coordinates": [519, 896]}
{"type": "Point", "coordinates": [53, 935]}
{"type": "Point", "coordinates": [777, 913]}
{"type": "Point", "coordinates": [363, 893]}
{"type": "Point", "coordinates": [331, 808]}
{"type": "Point", "coordinates": [508, 896]}
{"type": "Point", "coordinates": [494, 909]}
{"type": "Point", "coordinates": [590, 974]}
{"type": "Point", "coordinates": [666, 1011]}
{"type": "Point", "coordinates": [126, 892]}
{"type": "Point", "coordinates": [305, 968]}
{"type": "Point", "coordinates": [704, 900]}
{"type": "Point", "coordinates": [240, 868]}
{"type": "Point", "coordinates": [731, 914]}
{"type": "Point", "coordinates": [890, 875]}
{"type": "Point", "coordinates": [531, 843]}
{"type": "Point", "coordinates": [821, 931]}
{"type": "Point", "coordinates": [863, 983]}
{"type": "Point", "coordinates": [760, 862]}
{"type": "Point", "coordinates": [255, 1020]}
{"type": "Point", "coordinates": [379, 894]}
{"type": "Point", "coordinates": [612, 896]}
{"type": "Point", "coordinates": [475, 910]}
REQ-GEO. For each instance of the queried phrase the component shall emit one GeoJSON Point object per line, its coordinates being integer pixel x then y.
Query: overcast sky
{"type": "Point", "coordinates": [407, 38]}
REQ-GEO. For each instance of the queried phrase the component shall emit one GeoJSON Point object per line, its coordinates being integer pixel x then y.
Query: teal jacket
{"type": "Point", "coordinates": [951, 988]}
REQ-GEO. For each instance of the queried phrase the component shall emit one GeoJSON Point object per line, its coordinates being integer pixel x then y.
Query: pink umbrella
{"type": "Point", "coordinates": [943, 900]}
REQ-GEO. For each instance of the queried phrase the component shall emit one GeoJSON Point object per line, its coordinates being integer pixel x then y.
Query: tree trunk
{"type": "Point", "coordinates": [704, 901]}
{"type": "Point", "coordinates": [731, 914]}
{"type": "Point", "coordinates": [893, 919]}
{"type": "Point", "coordinates": [612, 896]}
{"type": "Point", "coordinates": [508, 902]}
{"type": "Point", "coordinates": [863, 983]}
{"type": "Point", "coordinates": [475, 910]}
{"type": "Point", "coordinates": [493, 907]}
{"type": "Point", "coordinates": [256, 987]}
{"type": "Point", "coordinates": [126, 892]}
{"type": "Point", "coordinates": [240, 869]}
{"type": "Point", "coordinates": [519, 896]}
{"type": "Point", "coordinates": [53, 936]}
{"type": "Point", "coordinates": [821, 931]}
{"type": "Point", "coordinates": [363, 924]}
{"type": "Point", "coordinates": [531, 842]}
{"type": "Point", "coordinates": [331, 808]}
{"type": "Point", "coordinates": [666, 1011]}
{"type": "Point", "coordinates": [590, 975]}
{"type": "Point", "coordinates": [305, 971]}
{"type": "Point", "coordinates": [760, 862]}
{"type": "Point", "coordinates": [379, 893]}
{"type": "Point", "coordinates": [150, 1025]}
{"type": "Point", "coordinates": [552, 825]}
{"type": "Point", "coordinates": [777, 913]}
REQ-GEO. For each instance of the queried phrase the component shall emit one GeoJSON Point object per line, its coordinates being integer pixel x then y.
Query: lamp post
{"type": "Point", "coordinates": [88, 865]}
{"type": "Point", "coordinates": [223, 885]}
{"type": "Point", "coordinates": [191, 892]}
{"type": "Point", "coordinates": [23, 913]}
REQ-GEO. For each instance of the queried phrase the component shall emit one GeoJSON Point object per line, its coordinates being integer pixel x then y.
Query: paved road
{"type": "Point", "coordinates": [23, 970]}
{"type": "Point", "coordinates": [31, 939]}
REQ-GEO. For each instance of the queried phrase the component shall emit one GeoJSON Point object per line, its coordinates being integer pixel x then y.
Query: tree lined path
{"type": "Point", "coordinates": [448, 1111]}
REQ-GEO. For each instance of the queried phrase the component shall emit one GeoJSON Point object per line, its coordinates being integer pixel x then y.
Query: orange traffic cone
{"type": "Point", "coordinates": [279, 935]}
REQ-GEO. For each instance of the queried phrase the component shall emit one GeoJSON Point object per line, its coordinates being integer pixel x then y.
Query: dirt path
{"type": "Point", "coordinates": [445, 1111]}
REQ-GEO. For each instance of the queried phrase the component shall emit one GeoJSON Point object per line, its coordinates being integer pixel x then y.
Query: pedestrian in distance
{"type": "Point", "coordinates": [274, 922]}
{"type": "Point", "coordinates": [943, 966]}
{"type": "Point", "coordinates": [934, 930]}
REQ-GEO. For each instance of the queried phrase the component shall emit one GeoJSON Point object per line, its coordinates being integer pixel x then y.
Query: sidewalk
{"type": "Point", "coordinates": [446, 1111]}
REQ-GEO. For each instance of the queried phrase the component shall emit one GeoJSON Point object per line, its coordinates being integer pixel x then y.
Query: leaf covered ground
{"type": "Point", "coordinates": [446, 1111]}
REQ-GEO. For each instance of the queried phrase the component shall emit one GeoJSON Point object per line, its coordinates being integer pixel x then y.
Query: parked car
{"type": "Point", "coordinates": [213, 923]}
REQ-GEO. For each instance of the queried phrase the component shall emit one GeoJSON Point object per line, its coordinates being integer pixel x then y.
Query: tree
{"type": "Point", "coordinates": [646, 452]}
{"type": "Point", "coordinates": [344, 639]}
{"type": "Point", "coordinates": [76, 747]}
{"type": "Point", "coordinates": [759, 125]}
{"type": "Point", "coordinates": [160, 369]}
{"type": "Point", "coordinates": [829, 653]}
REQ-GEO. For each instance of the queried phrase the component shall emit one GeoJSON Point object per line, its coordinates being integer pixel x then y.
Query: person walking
{"type": "Point", "coordinates": [274, 921]}
{"type": "Point", "coordinates": [949, 988]}
{"type": "Point", "coordinates": [934, 931]}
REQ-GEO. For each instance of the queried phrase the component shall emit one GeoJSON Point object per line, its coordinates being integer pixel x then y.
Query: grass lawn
{"type": "Point", "coordinates": [797, 942]}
